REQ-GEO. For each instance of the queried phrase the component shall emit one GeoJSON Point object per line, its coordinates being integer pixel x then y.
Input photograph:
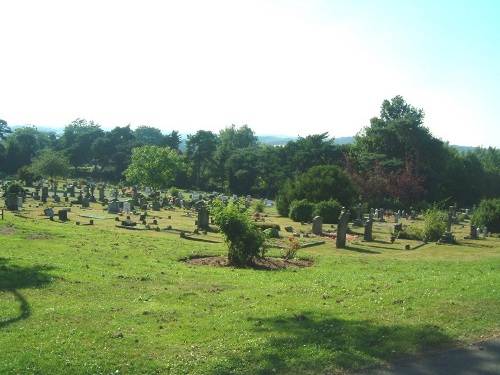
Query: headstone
{"type": "Point", "coordinates": [447, 236]}
{"type": "Point", "coordinates": [113, 207]}
{"type": "Point", "coordinates": [372, 213]}
{"type": "Point", "coordinates": [101, 193]}
{"type": "Point", "coordinates": [317, 225]}
{"type": "Point", "coordinates": [368, 235]}
{"type": "Point", "coordinates": [396, 217]}
{"type": "Point", "coordinates": [177, 202]}
{"type": "Point", "coordinates": [19, 202]}
{"type": "Point", "coordinates": [11, 202]}
{"type": "Point", "coordinates": [85, 202]}
{"type": "Point", "coordinates": [156, 205]}
{"type": "Point", "coordinates": [485, 232]}
{"type": "Point", "coordinates": [49, 212]}
{"type": "Point", "coordinates": [63, 215]}
{"type": "Point", "coordinates": [203, 217]}
{"type": "Point", "coordinates": [126, 207]}
{"type": "Point", "coordinates": [45, 192]}
{"type": "Point", "coordinates": [342, 229]}
{"type": "Point", "coordinates": [473, 232]}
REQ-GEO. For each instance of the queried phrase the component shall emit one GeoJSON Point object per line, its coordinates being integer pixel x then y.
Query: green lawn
{"type": "Point", "coordinates": [99, 299]}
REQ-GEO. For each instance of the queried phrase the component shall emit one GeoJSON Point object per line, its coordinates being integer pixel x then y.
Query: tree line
{"type": "Point", "coordinates": [395, 161]}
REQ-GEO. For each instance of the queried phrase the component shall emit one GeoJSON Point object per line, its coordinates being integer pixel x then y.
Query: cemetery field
{"type": "Point", "coordinates": [102, 299]}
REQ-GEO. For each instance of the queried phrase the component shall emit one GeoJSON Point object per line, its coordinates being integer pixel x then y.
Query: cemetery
{"type": "Point", "coordinates": [98, 279]}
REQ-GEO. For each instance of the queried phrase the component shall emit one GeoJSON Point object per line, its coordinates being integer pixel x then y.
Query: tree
{"type": "Point", "coordinates": [200, 149]}
{"type": "Point", "coordinates": [320, 183]}
{"type": "Point", "coordinates": [4, 129]}
{"type": "Point", "coordinates": [77, 141]}
{"type": "Point", "coordinates": [153, 166]}
{"type": "Point", "coordinates": [51, 163]}
{"type": "Point", "coordinates": [230, 140]}
{"type": "Point", "coordinates": [172, 140]}
{"type": "Point", "coordinates": [488, 215]}
{"type": "Point", "coordinates": [22, 145]}
{"type": "Point", "coordinates": [148, 135]}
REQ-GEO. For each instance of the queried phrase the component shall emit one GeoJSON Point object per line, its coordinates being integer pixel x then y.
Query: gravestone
{"type": "Point", "coordinates": [372, 213]}
{"type": "Point", "coordinates": [473, 232]}
{"type": "Point", "coordinates": [359, 220]}
{"type": "Point", "coordinates": [342, 229]}
{"type": "Point", "coordinates": [447, 236]}
{"type": "Point", "coordinates": [368, 235]}
{"type": "Point", "coordinates": [86, 202]}
{"type": "Point", "coordinates": [63, 215]}
{"type": "Point", "coordinates": [19, 202]}
{"type": "Point", "coordinates": [102, 193]}
{"type": "Point", "coordinates": [113, 207]}
{"type": "Point", "coordinates": [11, 202]}
{"type": "Point", "coordinates": [203, 217]}
{"type": "Point", "coordinates": [396, 217]}
{"type": "Point", "coordinates": [177, 202]}
{"type": "Point", "coordinates": [156, 205]}
{"type": "Point", "coordinates": [45, 192]}
{"type": "Point", "coordinates": [317, 225]}
{"type": "Point", "coordinates": [485, 232]}
{"type": "Point", "coordinates": [71, 191]}
{"type": "Point", "coordinates": [126, 207]}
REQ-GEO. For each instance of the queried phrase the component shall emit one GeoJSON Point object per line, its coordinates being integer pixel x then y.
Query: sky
{"type": "Point", "coordinates": [282, 67]}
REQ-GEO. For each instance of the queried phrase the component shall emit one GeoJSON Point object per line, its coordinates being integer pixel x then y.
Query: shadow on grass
{"type": "Point", "coordinates": [360, 250]}
{"type": "Point", "coordinates": [13, 278]}
{"type": "Point", "coordinates": [299, 344]}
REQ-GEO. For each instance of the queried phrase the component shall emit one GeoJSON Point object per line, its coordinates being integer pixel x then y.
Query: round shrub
{"type": "Point", "coordinates": [301, 210]}
{"type": "Point", "coordinates": [434, 224]}
{"type": "Point", "coordinates": [328, 210]}
{"type": "Point", "coordinates": [488, 215]}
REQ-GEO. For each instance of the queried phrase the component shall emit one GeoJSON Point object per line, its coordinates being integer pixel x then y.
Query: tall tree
{"type": "Point", "coordinates": [148, 135]}
{"type": "Point", "coordinates": [51, 163]}
{"type": "Point", "coordinates": [77, 140]}
{"type": "Point", "coordinates": [4, 129]}
{"type": "Point", "coordinates": [154, 166]}
{"type": "Point", "coordinates": [231, 139]}
{"type": "Point", "coordinates": [172, 140]}
{"type": "Point", "coordinates": [200, 150]}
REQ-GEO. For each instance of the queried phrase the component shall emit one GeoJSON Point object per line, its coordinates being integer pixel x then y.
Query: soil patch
{"type": "Point", "coordinates": [38, 236]}
{"type": "Point", "coordinates": [259, 263]}
{"type": "Point", "coordinates": [7, 230]}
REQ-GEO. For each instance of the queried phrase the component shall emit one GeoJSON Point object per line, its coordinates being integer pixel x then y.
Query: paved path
{"type": "Point", "coordinates": [482, 358]}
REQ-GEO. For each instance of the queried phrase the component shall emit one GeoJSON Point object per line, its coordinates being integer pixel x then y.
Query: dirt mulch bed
{"type": "Point", "coordinates": [7, 230]}
{"type": "Point", "coordinates": [260, 263]}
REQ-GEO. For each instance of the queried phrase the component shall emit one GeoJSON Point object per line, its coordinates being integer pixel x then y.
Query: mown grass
{"type": "Point", "coordinates": [100, 300]}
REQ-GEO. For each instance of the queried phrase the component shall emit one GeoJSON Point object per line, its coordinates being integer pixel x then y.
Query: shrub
{"type": "Point", "coordinates": [258, 206]}
{"type": "Point", "coordinates": [15, 188]}
{"type": "Point", "coordinates": [174, 192]}
{"type": "Point", "coordinates": [488, 215]}
{"type": "Point", "coordinates": [266, 225]}
{"type": "Point", "coordinates": [244, 240]}
{"type": "Point", "coordinates": [434, 224]}
{"type": "Point", "coordinates": [411, 232]}
{"type": "Point", "coordinates": [301, 210]}
{"type": "Point", "coordinates": [328, 210]}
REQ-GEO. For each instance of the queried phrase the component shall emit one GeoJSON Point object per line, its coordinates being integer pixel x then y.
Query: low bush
{"type": "Point", "coordinates": [328, 210]}
{"type": "Point", "coordinates": [301, 210]}
{"type": "Point", "coordinates": [488, 215]}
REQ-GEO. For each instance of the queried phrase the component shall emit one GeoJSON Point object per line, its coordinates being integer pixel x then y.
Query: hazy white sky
{"type": "Point", "coordinates": [281, 67]}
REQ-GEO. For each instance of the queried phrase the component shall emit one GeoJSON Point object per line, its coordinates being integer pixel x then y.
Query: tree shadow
{"type": "Point", "coordinates": [299, 344]}
{"type": "Point", "coordinates": [360, 250]}
{"type": "Point", "coordinates": [13, 278]}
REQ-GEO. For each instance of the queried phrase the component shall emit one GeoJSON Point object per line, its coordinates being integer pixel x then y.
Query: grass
{"type": "Point", "coordinates": [99, 299]}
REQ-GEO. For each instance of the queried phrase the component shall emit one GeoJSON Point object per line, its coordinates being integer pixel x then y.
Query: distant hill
{"type": "Point", "coordinates": [280, 140]}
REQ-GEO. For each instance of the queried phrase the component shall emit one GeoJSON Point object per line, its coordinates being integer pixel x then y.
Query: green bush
{"type": "Point", "coordinates": [15, 188]}
{"type": "Point", "coordinates": [328, 210]}
{"type": "Point", "coordinates": [174, 192]}
{"type": "Point", "coordinates": [411, 232]}
{"type": "Point", "coordinates": [301, 210]}
{"type": "Point", "coordinates": [258, 206]}
{"type": "Point", "coordinates": [488, 215]}
{"type": "Point", "coordinates": [244, 240]}
{"type": "Point", "coordinates": [263, 225]}
{"type": "Point", "coordinates": [434, 224]}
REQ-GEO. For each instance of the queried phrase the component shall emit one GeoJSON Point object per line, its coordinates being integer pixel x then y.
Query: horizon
{"type": "Point", "coordinates": [293, 68]}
